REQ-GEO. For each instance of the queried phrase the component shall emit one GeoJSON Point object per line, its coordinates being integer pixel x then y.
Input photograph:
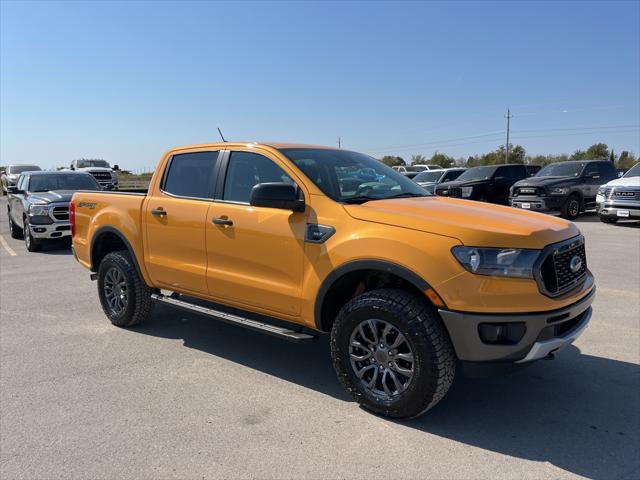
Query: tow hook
{"type": "Point", "coordinates": [551, 356]}
{"type": "Point", "coordinates": [93, 276]}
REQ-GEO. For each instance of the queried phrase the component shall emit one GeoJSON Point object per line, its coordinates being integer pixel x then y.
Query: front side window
{"type": "Point", "coordinates": [352, 177]}
{"type": "Point", "coordinates": [247, 169]}
{"type": "Point", "coordinates": [191, 175]}
{"type": "Point", "coordinates": [591, 169]}
{"type": "Point", "coordinates": [452, 175]}
{"type": "Point", "coordinates": [62, 181]}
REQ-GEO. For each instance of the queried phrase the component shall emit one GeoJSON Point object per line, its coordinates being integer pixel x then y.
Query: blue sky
{"type": "Point", "coordinates": [125, 81]}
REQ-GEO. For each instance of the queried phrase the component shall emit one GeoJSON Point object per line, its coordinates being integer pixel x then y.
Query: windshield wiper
{"type": "Point", "coordinates": [363, 198]}
{"type": "Point", "coordinates": [406, 195]}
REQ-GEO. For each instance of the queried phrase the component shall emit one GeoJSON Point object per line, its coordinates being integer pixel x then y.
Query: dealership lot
{"type": "Point", "coordinates": [186, 397]}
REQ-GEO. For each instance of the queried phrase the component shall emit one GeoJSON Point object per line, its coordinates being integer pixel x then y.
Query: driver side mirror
{"type": "Point", "coordinates": [72, 167]}
{"type": "Point", "coordinates": [14, 191]}
{"type": "Point", "coordinates": [116, 168]}
{"type": "Point", "coordinates": [276, 195]}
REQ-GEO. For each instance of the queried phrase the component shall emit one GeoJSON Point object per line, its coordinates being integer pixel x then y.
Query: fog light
{"type": "Point", "coordinates": [39, 230]}
{"type": "Point", "coordinates": [502, 333]}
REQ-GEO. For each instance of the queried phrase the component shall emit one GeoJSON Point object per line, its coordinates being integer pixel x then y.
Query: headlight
{"type": "Point", "coordinates": [559, 191]}
{"type": "Point", "coordinates": [503, 262]}
{"type": "Point", "coordinates": [466, 192]}
{"type": "Point", "coordinates": [39, 210]}
{"type": "Point", "coordinates": [600, 191]}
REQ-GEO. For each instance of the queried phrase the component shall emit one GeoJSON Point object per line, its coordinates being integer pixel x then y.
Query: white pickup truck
{"type": "Point", "coordinates": [106, 176]}
{"type": "Point", "coordinates": [620, 198]}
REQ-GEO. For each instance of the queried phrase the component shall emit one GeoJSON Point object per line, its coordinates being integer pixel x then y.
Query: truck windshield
{"type": "Point", "coordinates": [567, 169]}
{"type": "Point", "coordinates": [93, 163]}
{"type": "Point", "coordinates": [478, 173]}
{"type": "Point", "coordinates": [352, 177]}
{"type": "Point", "coordinates": [23, 168]}
{"type": "Point", "coordinates": [45, 183]}
{"type": "Point", "coordinates": [429, 176]}
{"type": "Point", "coordinates": [633, 171]}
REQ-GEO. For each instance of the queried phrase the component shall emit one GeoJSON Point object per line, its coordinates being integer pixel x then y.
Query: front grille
{"type": "Point", "coordinates": [449, 192]}
{"type": "Point", "coordinates": [556, 270]}
{"type": "Point", "coordinates": [102, 176]}
{"type": "Point", "coordinates": [60, 213]}
{"type": "Point", "coordinates": [528, 191]}
{"type": "Point", "coordinates": [622, 193]}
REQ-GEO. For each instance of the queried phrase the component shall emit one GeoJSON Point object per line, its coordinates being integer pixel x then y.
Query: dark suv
{"type": "Point", "coordinates": [565, 187]}
{"type": "Point", "coordinates": [490, 183]}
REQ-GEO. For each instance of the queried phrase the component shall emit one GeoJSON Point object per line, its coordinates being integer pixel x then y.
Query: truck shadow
{"type": "Point", "coordinates": [579, 412]}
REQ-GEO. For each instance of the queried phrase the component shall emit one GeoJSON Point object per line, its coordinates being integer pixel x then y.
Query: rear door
{"type": "Point", "coordinates": [256, 254]}
{"type": "Point", "coordinates": [175, 216]}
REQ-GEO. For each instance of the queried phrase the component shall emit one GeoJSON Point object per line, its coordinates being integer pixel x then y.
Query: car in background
{"type": "Point", "coordinates": [400, 168]}
{"type": "Point", "coordinates": [430, 178]}
{"type": "Point", "coordinates": [488, 183]}
{"type": "Point", "coordinates": [106, 176]}
{"type": "Point", "coordinates": [38, 206]}
{"type": "Point", "coordinates": [11, 174]}
{"type": "Point", "coordinates": [422, 167]}
{"type": "Point", "coordinates": [620, 198]}
{"type": "Point", "coordinates": [565, 187]}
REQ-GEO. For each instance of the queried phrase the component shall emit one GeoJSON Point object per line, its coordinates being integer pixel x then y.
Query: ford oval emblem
{"type": "Point", "coordinates": [575, 264]}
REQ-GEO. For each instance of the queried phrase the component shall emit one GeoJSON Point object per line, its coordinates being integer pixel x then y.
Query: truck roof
{"type": "Point", "coordinates": [276, 145]}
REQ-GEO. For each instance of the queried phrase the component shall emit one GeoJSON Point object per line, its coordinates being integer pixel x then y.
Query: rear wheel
{"type": "Point", "coordinates": [392, 353]}
{"type": "Point", "coordinates": [32, 244]}
{"type": "Point", "coordinates": [571, 208]}
{"type": "Point", "coordinates": [124, 296]}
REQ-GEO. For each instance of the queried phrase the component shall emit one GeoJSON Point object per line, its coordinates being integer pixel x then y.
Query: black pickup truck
{"type": "Point", "coordinates": [489, 183]}
{"type": "Point", "coordinates": [565, 187]}
{"type": "Point", "coordinates": [38, 205]}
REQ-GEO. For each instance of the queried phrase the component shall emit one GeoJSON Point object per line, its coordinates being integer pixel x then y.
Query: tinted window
{"type": "Point", "coordinates": [452, 175]}
{"type": "Point", "coordinates": [248, 169]}
{"type": "Point", "coordinates": [92, 163]}
{"type": "Point", "coordinates": [478, 173]}
{"type": "Point", "coordinates": [633, 171]}
{"type": "Point", "coordinates": [191, 175]}
{"type": "Point", "coordinates": [512, 172]}
{"type": "Point", "coordinates": [591, 169]}
{"type": "Point", "coordinates": [62, 181]}
{"type": "Point", "coordinates": [607, 170]}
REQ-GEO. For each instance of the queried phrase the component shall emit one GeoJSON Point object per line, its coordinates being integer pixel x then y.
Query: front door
{"type": "Point", "coordinates": [175, 217]}
{"type": "Point", "coordinates": [255, 253]}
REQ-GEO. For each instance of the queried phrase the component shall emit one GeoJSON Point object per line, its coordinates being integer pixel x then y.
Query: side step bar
{"type": "Point", "coordinates": [285, 333]}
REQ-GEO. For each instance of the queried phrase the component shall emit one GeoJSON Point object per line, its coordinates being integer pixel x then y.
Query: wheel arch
{"type": "Point", "coordinates": [357, 271]}
{"type": "Point", "coordinates": [109, 239]}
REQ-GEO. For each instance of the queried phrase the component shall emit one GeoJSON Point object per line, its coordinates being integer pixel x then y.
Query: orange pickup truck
{"type": "Point", "coordinates": [295, 240]}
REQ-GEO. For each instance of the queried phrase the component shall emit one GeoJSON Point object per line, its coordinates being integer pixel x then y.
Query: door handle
{"type": "Point", "coordinates": [158, 212]}
{"type": "Point", "coordinates": [222, 221]}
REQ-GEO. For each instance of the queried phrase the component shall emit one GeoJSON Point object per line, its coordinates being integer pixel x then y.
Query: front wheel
{"type": "Point", "coordinates": [392, 353]}
{"type": "Point", "coordinates": [32, 244]}
{"type": "Point", "coordinates": [14, 230]}
{"type": "Point", "coordinates": [124, 296]}
{"type": "Point", "coordinates": [571, 208]}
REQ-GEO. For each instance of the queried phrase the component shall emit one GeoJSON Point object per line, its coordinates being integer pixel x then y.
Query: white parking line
{"type": "Point", "coordinates": [7, 247]}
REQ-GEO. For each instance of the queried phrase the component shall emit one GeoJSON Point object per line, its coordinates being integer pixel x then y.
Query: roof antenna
{"type": "Point", "coordinates": [221, 136]}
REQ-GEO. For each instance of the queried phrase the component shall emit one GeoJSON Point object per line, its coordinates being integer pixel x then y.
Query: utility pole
{"type": "Point", "coordinates": [339, 142]}
{"type": "Point", "coordinates": [508, 117]}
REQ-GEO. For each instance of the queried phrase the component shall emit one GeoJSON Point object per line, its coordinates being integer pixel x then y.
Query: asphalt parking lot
{"type": "Point", "coordinates": [188, 397]}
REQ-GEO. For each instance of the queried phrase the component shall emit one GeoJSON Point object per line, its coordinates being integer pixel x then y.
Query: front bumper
{"type": "Point", "coordinates": [544, 332]}
{"type": "Point", "coordinates": [51, 231]}
{"type": "Point", "coordinates": [619, 209]}
{"type": "Point", "coordinates": [536, 203]}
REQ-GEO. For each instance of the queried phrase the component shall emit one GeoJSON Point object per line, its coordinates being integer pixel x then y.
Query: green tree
{"type": "Point", "coordinates": [612, 157]}
{"type": "Point", "coordinates": [626, 160]}
{"type": "Point", "coordinates": [418, 160]}
{"type": "Point", "coordinates": [445, 161]}
{"type": "Point", "coordinates": [597, 151]}
{"type": "Point", "coordinates": [392, 161]}
{"type": "Point", "coordinates": [579, 155]}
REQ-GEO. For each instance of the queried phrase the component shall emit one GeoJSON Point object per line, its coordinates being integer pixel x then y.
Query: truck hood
{"type": "Point", "coordinates": [472, 223]}
{"type": "Point", "coordinates": [463, 183]}
{"type": "Point", "coordinates": [94, 169]}
{"type": "Point", "coordinates": [51, 196]}
{"type": "Point", "coordinates": [624, 182]}
{"type": "Point", "coordinates": [544, 181]}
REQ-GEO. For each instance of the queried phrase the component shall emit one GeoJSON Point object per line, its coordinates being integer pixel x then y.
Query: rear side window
{"type": "Point", "coordinates": [246, 170]}
{"type": "Point", "coordinates": [607, 170]}
{"type": "Point", "coordinates": [191, 175]}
